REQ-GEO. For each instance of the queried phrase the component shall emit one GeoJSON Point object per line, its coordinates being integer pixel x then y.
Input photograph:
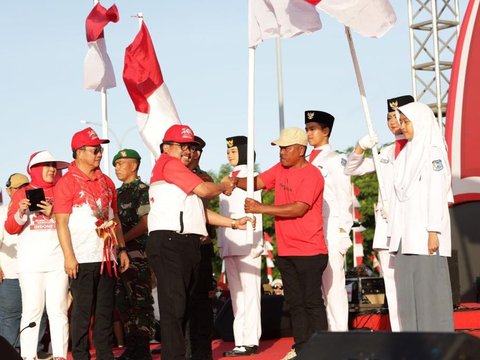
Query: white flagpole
{"type": "Point", "coordinates": [281, 112]}
{"type": "Point", "coordinates": [363, 97]}
{"type": "Point", "coordinates": [250, 133]}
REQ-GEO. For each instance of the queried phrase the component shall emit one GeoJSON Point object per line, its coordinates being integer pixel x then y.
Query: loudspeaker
{"type": "Point", "coordinates": [275, 319]}
{"type": "Point", "coordinates": [390, 346]}
{"type": "Point", "coordinates": [8, 351]}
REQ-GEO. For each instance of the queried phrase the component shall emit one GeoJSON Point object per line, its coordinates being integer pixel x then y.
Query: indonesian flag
{"type": "Point", "coordinates": [143, 78]}
{"type": "Point", "coordinates": [462, 122]}
{"type": "Point", "coordinates": [371, 18]}
{"type": "Point", "coordinates": [284, 18]}
{"type": "Point", "coordinates": [98, 69]}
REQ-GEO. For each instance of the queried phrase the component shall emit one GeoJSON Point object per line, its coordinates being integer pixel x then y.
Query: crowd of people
{"type": "Point", "coordinates": [78, 248]}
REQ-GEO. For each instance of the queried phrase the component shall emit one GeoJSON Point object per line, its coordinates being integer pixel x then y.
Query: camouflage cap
{"type": "Point", "coordinates": [126, 154]}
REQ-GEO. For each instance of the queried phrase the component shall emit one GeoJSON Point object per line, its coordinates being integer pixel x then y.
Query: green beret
{"type": "Point", "coordinates": [126, 154]}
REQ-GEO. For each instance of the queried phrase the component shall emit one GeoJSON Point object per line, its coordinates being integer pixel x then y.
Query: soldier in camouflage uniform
{"type": "Point", "coordinates": [133, 296]}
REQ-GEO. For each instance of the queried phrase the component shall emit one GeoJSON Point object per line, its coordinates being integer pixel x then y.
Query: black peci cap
{"type": "Point", "coordinates": [394, 103]}
{"type": "Point", "coordinates": [201, 143]}
{"type": "Point", "coordinates": [236, 141]}
{"type": "Point", "coordinates": [320, 117]}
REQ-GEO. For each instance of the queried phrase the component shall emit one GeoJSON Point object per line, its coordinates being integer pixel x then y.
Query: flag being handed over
{"type": "Point", "coordinates": [98, 69]}
{"type": "Point", "coordinates": [283, 18]}
{"type": "Point", "coordinates": [371, 18]}
{"type": "Point", "coordinates": [143, 78]}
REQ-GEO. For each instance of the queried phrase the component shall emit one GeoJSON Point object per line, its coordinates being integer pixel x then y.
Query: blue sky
{"type": "Point", "coordinates": [201, 46]}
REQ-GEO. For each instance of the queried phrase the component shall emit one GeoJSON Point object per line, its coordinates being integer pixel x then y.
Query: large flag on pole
{"type": "Point", "coordinates": [371, 18]}
{"type": "Point", "coordinates": [143, 78]}
{"type": "Point", "coordinates": [462, 125]}
{"type": "Point", "coordinates": [280, 18]}
{"type": "Point", "coordinates": [98, 69]}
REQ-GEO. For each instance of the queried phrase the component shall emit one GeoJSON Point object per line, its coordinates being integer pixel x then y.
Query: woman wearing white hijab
{"type": "Point", "coordinates": [419, 224]}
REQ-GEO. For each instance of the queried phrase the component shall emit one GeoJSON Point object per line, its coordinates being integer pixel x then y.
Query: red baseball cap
{"type": "Point", "coordinates": [181, 134]}
{"type": "Point", "coordinates": [86, 137]}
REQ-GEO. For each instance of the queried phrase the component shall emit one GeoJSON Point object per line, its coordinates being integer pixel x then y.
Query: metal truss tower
{"type": "Point", "coordinates": [434, 27]}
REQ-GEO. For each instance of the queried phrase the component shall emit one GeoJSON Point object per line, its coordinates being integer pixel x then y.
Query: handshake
{"type": "Point", "coordinates": [368, 142]}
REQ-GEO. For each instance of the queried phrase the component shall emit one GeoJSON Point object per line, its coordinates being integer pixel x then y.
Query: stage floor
{"type": "Point", "coordinates": [466, 318]}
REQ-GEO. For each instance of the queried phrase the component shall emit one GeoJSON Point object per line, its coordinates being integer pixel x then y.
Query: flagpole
{"type": "Point", "coordinates": [281, 111]}
{"type": "Point", "coordinates": [250, 133]}
{"type": "Point", "coordinates": [363, 97]}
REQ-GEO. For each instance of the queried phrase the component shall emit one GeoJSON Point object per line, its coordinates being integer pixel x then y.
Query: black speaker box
{"type": "Point", "coordinates": [7, 351]}
{"type": "Point", "coordinates": [390, 346]}
{"type": "Point", "coordinates": [275, 319]}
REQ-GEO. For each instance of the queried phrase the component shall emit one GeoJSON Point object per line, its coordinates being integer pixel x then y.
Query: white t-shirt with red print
{"type": "Point", "coordinates": [86, 201]}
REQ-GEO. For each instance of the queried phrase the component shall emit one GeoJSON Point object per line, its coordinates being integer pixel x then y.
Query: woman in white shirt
{"type": "Point", "coordinates": [419, 224]}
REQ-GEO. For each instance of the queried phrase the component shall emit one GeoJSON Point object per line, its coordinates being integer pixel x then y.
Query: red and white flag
{"type": "Point", "coordinates": [371, 18]}
{"type": "Point", "coordinates": [462, 123]}
{"type": "Point", "coordinates": [283, 18]}
{"type": "Point", "coordinates": [143, 78]}
{"type": "Point", "coordinates": [98, 69]}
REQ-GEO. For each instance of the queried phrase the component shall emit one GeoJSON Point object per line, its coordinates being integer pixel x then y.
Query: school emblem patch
{"type": "Point", "coordinates": [344, 162]}
{"type": "Point", "coordinates": [437, 165]}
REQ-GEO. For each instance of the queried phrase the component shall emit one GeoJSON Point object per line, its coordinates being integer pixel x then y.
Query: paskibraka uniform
{"type": "Point", "coordinates": [176, 223]}
{"type": "Point", "coordinates": [337, 214]}
{"type": "Point", "coordinates": [358, 165]}
{"type": "Point", "coordinates": [242, 267]}
{"type": "Point", "coordinates": [134, 298]}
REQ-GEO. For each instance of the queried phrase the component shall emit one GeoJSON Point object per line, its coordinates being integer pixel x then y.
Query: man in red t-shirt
{"type": "Point", "coordinates": [302, 252]}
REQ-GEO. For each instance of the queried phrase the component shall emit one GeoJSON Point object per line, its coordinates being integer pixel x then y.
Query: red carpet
{"type": "Point", "coordinates": [466, 318]}
{"type": "Point", "coordinates": [268, 349]}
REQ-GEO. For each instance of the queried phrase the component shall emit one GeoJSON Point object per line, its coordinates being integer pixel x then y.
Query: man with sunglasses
{"type": "Point", "coordinates": [176, 223]}
{"type": "Point", "coordinates": [90, 233]}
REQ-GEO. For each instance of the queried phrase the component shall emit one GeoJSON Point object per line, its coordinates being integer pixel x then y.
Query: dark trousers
{"type": "Point", "coordinates": [175, 259]}
{"type": "Point", "coordinates": [92, 293]}
{"type": "Point", "coordinates": [302, 284]}
{"type": "Point", "coordinates": [200, 322]}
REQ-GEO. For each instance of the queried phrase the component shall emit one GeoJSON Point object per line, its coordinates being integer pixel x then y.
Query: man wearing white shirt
{"type": "Point", "coordinates": [337, 214]}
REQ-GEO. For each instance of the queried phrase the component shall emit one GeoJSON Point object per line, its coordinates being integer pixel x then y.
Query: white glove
{"type": "Point", "coordinates": [257, 250]}
{"type": "Point", "coordinates": [368, 142]}
{"type": "Point", "coordinates": [384, 213]}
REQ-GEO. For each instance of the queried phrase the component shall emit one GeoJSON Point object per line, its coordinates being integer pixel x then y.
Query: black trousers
{"type": "Point", "coordinates": [302, 284]}
{"type": "Point", "coordinates": [200, 322]}
{"type": "Point", "coordinates": [175, 260]}
{"type": "Point", "coordinates": [92, 293]}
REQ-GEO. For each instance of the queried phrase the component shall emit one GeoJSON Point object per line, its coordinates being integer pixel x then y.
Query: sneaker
{"type": "Point", "coordinates": [241, 351]}
{"type": "Point", "coordinates": [292, 355]}
{"type": "Point", "coordinates": [42, 355]}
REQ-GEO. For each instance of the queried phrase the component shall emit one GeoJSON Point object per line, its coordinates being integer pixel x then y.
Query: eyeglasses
{"type": "Point", "coordinates": [277, 287]}
{"type": "Point", "coordinates": [184, 147]}
{"type": "Point", "coordinates": [95, 150]}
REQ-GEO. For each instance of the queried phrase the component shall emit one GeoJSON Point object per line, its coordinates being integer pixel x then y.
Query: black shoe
{"type": "Point", "coordinates": [241, 351]}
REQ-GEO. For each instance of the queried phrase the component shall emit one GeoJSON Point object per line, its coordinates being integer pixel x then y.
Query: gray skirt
{"type": "Point", "coordinates": [424, 293]}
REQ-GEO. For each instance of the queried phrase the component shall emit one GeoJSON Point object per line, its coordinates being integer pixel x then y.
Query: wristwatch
{"type": "Point", "coordinates": [121, 248]}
